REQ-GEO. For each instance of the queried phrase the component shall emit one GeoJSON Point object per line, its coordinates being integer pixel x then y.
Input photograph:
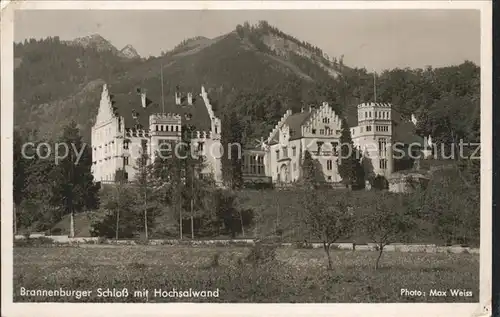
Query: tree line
{"type": "Point", "coordinates": [163, 192]}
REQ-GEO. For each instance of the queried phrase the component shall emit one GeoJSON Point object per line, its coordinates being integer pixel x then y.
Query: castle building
{"type": "Point", "coordinates": [128, 121]}
{"type": "Point", "coordinates": [377, 131]}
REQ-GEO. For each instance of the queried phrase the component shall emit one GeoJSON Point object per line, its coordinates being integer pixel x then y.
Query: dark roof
{"type": "Point", "coordinates": [404, 131]}
{"type": "Point", "coordinates": [128, 103]}
{"type": "Point", "coordinates": [351, 115]}
{"type": "Point", "coordinates": [295, 122]}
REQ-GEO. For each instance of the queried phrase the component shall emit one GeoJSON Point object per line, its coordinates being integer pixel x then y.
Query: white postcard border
{"type": "Point", "coordinates": [181, 309]}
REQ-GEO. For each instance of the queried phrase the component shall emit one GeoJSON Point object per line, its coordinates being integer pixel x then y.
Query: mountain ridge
{"type": "Point", "coordinates": [257, 71]}
{"type": "Point", "coordinates": [102, 44]}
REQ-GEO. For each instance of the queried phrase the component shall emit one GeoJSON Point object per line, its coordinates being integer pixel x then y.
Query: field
{"type": "Point", "coordinates": [294, 275]}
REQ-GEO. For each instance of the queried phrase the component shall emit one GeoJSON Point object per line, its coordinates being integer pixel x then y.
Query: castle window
{"type": "Point", "coordinates": [260, 165]}
{"type": "Point", "coordinates": [383, 164]}
{"type": "Point", "coordinates": [156, 127]}
{"type": "Point", "coordinates": [294, 151]}
{"type": "Point", "coordinates": [285, 151]}
{"type": "Point", "coordinates": [329, 178]}
{"type": "Point", "coordinates": [253, 166]}
{"type": "Point", "coordinates": [382, 149]}
{"type": "Point", "coordinates": [329, 165]}
{"type": "Point", "coordinates": [322, 131]}
{"type": "Point", "coordinates": [200, 147]}
{"type": "Point", "coordinates": [125, 145]}
{"type": "Point", "coordinates": [161, 127]}
{"type": "Point", "coordinates": [313, 131]}
{"type": "Point", "coordinates": [335, 148]}
{"type": "Point", "coordinates": [277, 154]}
{"type": "Point", "coordinates": [125, 161]}
{"type": "Point", "coordinates": [176, 128]}
{"type": "Point", "coordinates": [368, 128]}
{"type": "Point", "coordinates": [319, 144]}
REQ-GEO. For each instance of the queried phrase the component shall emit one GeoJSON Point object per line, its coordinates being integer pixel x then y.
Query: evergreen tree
{"type": "Point", "coordinates": [36, 210]}
{"type": "Point", "coordinates": [74, 187]}
{"type": "Point", "coordinates": [19, 176]}
{"type": "Point", "coordinates": [231, 161]}
{"type": "Point", "coordinates": [146, 201]}
{"type": "Point", "coordinates": [350, 168]}
{"type": "Point", "coordinates": [310, 174]}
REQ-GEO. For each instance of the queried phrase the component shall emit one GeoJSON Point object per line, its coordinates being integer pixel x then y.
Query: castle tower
{"type": "Point", "coordinates": [163, 128]}
{"type": "Point", "coordinates": [375, 135]}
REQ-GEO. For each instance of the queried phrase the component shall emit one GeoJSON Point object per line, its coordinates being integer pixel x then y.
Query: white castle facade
{"type": "Point", "coordinates": [318, 131]}
{"type": "Point", "coordinates": [117, 137]}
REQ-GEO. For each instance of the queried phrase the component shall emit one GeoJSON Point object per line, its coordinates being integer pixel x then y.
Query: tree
{"type": "Point", "coordinates": [168, 174]}
{"type": "Point", "coordinates": [231, 162]}
{"type": "Point", "coordinates": [452, 208]}
{"type": "Point", "coordinates": [74, 187]}
{"type": "Point", "coordinates": [350, 168]}
{"type": "Point", "coordinates": [37, 211]}
{"type": "Point", "coordinates": [145, 191]}
{"type": "Point", "coordinates": [117, 216]}
{"type": "Point", "coordinates": [311, 173]}
{"type": "Point", "coordinates": [19, 175]}
{"type": "Point", "coordinates": [388, 222]}
{"type": "Point", "coordinates": [327, 220]}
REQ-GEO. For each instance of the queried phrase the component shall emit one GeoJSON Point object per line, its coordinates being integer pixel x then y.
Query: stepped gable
{"type": "Point", "coordinates": [130, 105]}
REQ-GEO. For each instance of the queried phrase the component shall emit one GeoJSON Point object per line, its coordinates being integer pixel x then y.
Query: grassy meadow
{"type": "Point", "coordinates": [289, 275]}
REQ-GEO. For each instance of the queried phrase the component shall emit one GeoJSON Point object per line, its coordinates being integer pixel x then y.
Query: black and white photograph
{"type": "Point", "coordinates": [288, 156]}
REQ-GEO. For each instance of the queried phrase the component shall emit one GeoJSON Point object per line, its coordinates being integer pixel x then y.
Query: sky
{"type": "Point", "coordinates": [374, 39]}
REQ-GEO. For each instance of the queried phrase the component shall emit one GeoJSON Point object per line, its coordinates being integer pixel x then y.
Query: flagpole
{"type": "Point", "coordinates": [375, 86]}
{"type": "Point", "coordinates": [162, 97]}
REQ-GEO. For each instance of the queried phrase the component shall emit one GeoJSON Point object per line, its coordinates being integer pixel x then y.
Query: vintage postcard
{"type": "Point", "coordinates": [303, 155]}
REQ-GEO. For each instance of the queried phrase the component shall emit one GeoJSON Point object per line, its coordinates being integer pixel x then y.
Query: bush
{"type": "Point", "coordinates": [303, 245]}
{"type": "Point", "coordinates": [380, 183]}
{"type": "Point", "coordinates": [33, 242]}
{"type": "Point", "coordinates": [262, 253]}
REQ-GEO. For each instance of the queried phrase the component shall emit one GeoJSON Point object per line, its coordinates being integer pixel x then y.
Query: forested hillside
{"type": "Point", "coordinates": [253, 75]}
{"type": "Point", "coordinates": [257, 71]}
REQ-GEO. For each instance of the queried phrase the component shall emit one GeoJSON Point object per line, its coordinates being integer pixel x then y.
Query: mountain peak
{"type": "Point", "coordinates": [94, 40]}
{"type": "Point", "coordinates": [129, 52]}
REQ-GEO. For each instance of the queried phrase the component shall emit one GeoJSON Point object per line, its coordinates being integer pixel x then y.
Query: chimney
{"type": "Point", "coordinates": [143, 99]}
{"type": "Point", "coordinates": [190, 98]}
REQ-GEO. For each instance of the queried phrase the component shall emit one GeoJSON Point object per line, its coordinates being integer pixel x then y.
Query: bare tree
{"type": "Point", "coordinates": [328, 217]}
{"type": "Point", "coordinates": [388, 222]}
